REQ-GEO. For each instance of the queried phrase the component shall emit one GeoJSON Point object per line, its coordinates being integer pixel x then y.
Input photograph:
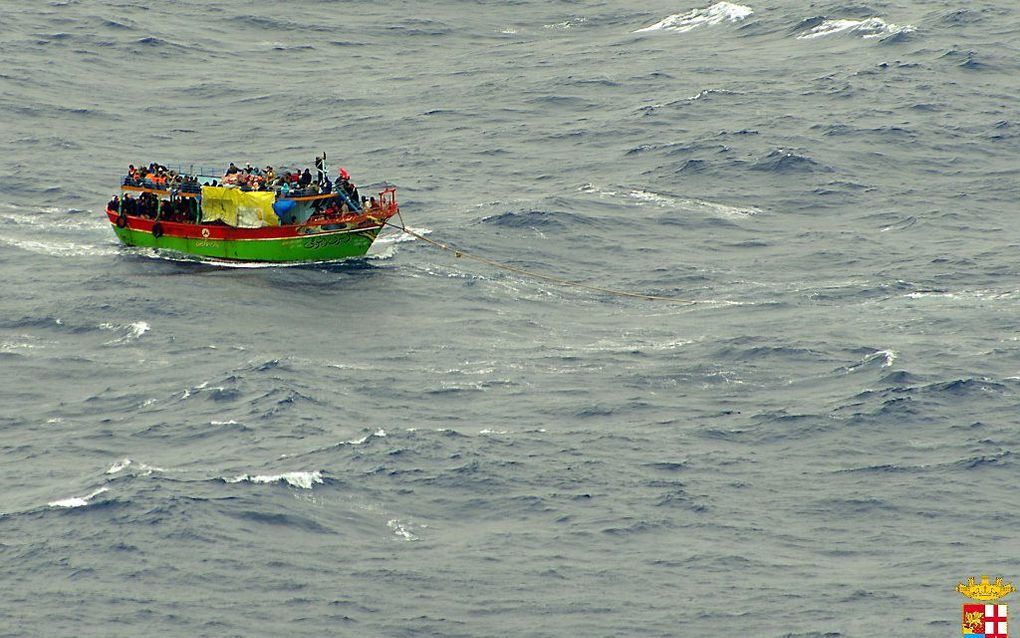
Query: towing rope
{"type": "Point", "coordinates": [530, 273]}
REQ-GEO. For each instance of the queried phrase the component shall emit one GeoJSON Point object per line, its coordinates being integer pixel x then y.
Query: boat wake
{"type": "Point", "coordinates": [183, 258]}
{"type": "Point", "coordinates": [57, 248]}
{"type": "Point", "coordinates": [400, 237]}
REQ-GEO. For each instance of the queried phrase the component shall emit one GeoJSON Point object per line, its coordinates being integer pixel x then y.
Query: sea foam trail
{"type": "Point", "coordinates": [57, 248]}
{"type": "Point", "coordinates": [867, 28]}
{"type": "Point", "coordinates": [716, 14]}
{"type": "Point", "coordinates": [78, 501]}
{"type": "Point", "coordinates": [644, 197]}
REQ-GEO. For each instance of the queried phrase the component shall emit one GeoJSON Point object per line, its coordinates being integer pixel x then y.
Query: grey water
{"type": "Point", "coordinates": [816, 436]}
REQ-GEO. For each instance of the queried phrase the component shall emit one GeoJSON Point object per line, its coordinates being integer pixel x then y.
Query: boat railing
{"type": "Point", "coordinates": [388, 200]}
{"type": "Point", "coordinates": [160, 191]}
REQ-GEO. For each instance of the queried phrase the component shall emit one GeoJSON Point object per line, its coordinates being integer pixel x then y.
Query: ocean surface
{"type": "Point", "coordinates": [816, 434]}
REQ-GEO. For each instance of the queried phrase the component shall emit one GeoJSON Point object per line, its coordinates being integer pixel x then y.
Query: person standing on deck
{"type": "Point", "coordinates": [320, 167]}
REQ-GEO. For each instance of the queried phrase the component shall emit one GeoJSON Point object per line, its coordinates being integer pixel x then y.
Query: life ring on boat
{"type": "Point", "coordinates": [157, 230]}
{"type": "Point", "coordinates": [122, 220]}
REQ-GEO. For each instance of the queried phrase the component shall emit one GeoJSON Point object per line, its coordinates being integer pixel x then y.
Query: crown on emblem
{"type": "Point", "coordinates": [985, 590]}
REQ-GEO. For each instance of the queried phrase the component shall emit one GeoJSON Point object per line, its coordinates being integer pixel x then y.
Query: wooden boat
{"type": "Point", "coordinates": [233, 224]}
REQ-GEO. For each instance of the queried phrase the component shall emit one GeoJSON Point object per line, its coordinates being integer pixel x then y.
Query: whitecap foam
{"type": "Point", "coordinates": [992, 295]}
{"type": "Point", "coordinates": [12, 346]}
{"type": "Point", "coordinates": [378, 433]}
{"type": "Point", "coordinates": [78, 501]}
{"type": "Point", "coordinates": [643, 197]}
{"type": "Point", "coordinates": [118, 466]}
{"type": "Point", "coordinates": [385, 251]}
{"type": "Point", "coordinates": [401, 529]}
{"type": "Point", "coordinates": [566, 24]}
{"type": "Point", "coordinates": [123, 464]}
{"type": "Point", "coordinates": [868, 28]}
{"type": "Point", "coordinates": [707, 92]}
{"type": "Point", "coordinates": [716, 14]}
{"type": "Point", "coordinates": [713, 208]}
{"type": "Point", "coordinates": [304, 480]}
{"type": "Point", "coordinates": [888, 358]}
{"type": "Point", "coordinates": [398, 237]}
{"type": "Point", "coordinates": [132, 331]}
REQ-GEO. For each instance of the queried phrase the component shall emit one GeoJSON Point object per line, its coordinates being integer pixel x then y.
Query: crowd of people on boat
{"type": "Point", "coordinates": [296, 183]}
{"type": "Point", "coordinates": [159, 177]}
{"type": "Point", "coordinates": [184, 204]}
{"type": "Point", "coordinates": [289, 183]}
{"type": "Point", "coordinates": [175, 209]}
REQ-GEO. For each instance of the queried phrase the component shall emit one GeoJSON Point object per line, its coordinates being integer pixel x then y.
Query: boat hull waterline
{"type": "Point", "coordinates": [281, 244]}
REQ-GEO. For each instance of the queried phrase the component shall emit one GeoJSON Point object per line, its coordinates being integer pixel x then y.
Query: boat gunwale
{"type": "Point", "coordinates": [182, 193]}
{"type": "Point", "coordinates": [219, 232]}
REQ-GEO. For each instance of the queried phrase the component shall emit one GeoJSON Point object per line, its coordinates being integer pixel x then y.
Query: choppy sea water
{"type": "Point", "coordinates": [817, 439]}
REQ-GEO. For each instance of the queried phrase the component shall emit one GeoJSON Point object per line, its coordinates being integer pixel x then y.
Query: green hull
{"type": "Point", "coordinates": [317, 247]}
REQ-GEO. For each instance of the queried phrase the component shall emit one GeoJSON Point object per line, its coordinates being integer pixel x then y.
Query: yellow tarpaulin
{"type": "Point", "coordinates": [242, 209]}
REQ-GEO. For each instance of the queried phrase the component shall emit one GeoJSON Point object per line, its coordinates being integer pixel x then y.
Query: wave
{"type": "Point", "coordinates": [566, 24]}
{"type": "Point", "coordinates": [303, 480]}
{"type": "Point", "coordinates": [716, 14]}
{"type": "Point", "coordinates": [868, 28]}
{"type": "Point", "coordinates": [401, 529]}
{"type": "Point", "coordinates": [533, 219]}
{"type": "Point", "coordinates": [118, 466]}
{"type": "Point", "coordinates": [132, 331]}
{"type": "Point", "coordinates": [78, 501]}
{"type": "Point", "coordinates": [400, 237]}
{"type": "Point", "coordinates": [888, 357]}
{"type": "Point", "coordinates": [782, 161]}
{"type": "Point", "coordinates": [277, 23]}
{"type": "Point", "coordinates": [378, 434]}
{"type": "Point", "coordinates": [54, 248]}
{"type": "Point", "coordinates": [283, 46]}
{"type": "Point", "coordinates": [125, 463]}
{"type": "Point", "coordinates": [52, 217]}
{"type": "Point", "coordinates": [644, 197]}
{"type": "Point", "coordinates": [156, 42]}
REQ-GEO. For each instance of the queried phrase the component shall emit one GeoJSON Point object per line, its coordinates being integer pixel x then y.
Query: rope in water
{"type": "Point", "coordinates": [530, 273]}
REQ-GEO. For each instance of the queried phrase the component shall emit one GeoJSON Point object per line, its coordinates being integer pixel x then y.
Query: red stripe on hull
{"type": "Point", "coordinates": [219, 231]}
